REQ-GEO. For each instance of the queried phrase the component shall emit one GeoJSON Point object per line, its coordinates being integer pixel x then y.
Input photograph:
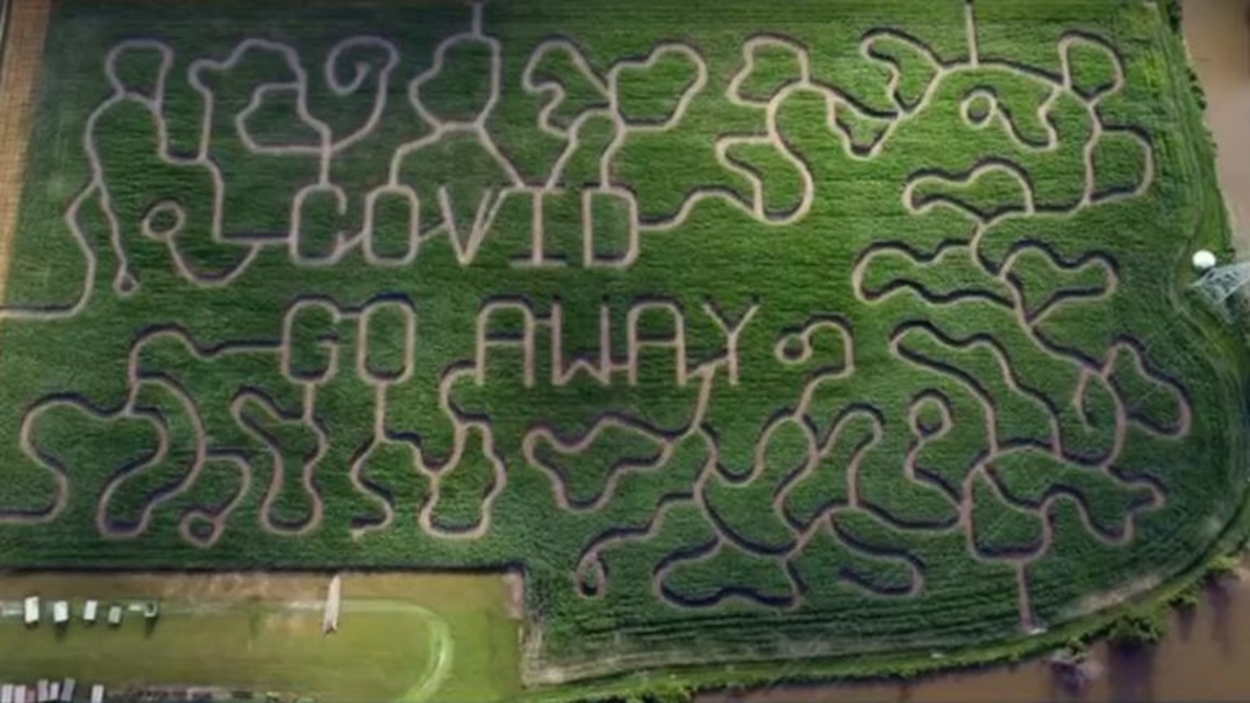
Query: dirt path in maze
{"type": "Point", "coordinates": [591, 570]}
{"type": "Point", "coordinates": [1218, 35]}
{"type": "Point", "coordinates": [19, 79]}
{"type": "Point", "coordinates": [1198, 660]}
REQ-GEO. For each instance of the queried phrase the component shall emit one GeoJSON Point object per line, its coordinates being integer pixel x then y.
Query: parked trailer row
{"type": "Point", "coordinates": [45, 691]}
{"type": "Point", "coordinates": [32, 611]}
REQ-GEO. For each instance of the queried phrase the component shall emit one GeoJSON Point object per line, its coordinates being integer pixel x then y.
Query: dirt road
{"type": "Point", "coordinates": [1218, 35]}
{"type": "Point", "coordinates": [19, 76]}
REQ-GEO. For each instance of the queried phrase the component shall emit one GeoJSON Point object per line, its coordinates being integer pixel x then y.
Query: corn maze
{"type": "Point", "coordinates": [745, 331]}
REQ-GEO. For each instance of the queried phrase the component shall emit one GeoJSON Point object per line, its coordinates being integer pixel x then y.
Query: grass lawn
{"type": "Point", "coordinates": [409, 638]}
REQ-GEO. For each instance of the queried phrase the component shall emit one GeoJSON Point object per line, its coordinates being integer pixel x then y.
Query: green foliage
{"type": "Point", "coordinates": [1138, 628]}
{"type": "Point", "coordinates": [989, 194]}
{"type": "Point", "coordinates": [670, 693]}
{"type": "Point", "coordinates": [773, 68]}
{"type": "Point", "coordinates": [559, 68]}
{"type": "Point", "coordinates": [783, 187]}
{"type": "Point", "coordinates": [1223, 567]}
{"type": "Point", "coordinates": [1042, 282]}
{"type": "Point", "coordinates": [1077, 647]}
{"type": "Point", "coordinates": [1175, 13]}
{"type": "Point", "coordinates": [1092, 68]}
{"type": "Point", "coordinates": [913, 66]}
{"type": "Point", "coordinates": [1031, 476]}
{"type": "Point", "coordinates": [1000, 528]}
{"type": "Point", "coordinates": [651, 93]}
{"type": "Point", "coordinates": [1187, 598]}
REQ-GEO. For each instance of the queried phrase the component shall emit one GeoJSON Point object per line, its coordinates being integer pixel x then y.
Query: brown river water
{"type": "Point", "coordinates": [1206, 655]}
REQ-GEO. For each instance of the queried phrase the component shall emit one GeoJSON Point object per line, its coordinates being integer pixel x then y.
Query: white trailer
{"type": "Point", "coordinates": [60, 612]}
{"type": "Point", "coordinates": [31, 608]}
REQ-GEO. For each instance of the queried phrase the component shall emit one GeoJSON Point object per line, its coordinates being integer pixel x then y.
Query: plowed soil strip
{"type": "Point", "coordinates": [19, 76]}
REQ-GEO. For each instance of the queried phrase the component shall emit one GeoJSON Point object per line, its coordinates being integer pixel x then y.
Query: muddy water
{"type": "Point", "coordinates": [1218, 35]}
{"type": "Point", "coordinates": [1206, 656]}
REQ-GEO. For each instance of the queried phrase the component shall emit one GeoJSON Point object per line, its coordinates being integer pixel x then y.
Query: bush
{"type": "Point", "coordinates": [1200, 95]}
{"type": "Point", "coordinates": [1222, 567]}
{"type": "Point", "coordinates": [1137, 628]}
{"type": "Point", "coordinates": [672, 693]}
{"type": "Point", "coordinates": [1076, 647]}
{"type": "Point", "coordinates": [1174, 13]}
{"type": "Point", "coordinates": [1185, 599]}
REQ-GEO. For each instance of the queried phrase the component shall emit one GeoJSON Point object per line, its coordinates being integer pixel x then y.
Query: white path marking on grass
{"type": "Point", "coordinates": [970, 28]}
{"type": "Point", "coordinates": [441, 645]}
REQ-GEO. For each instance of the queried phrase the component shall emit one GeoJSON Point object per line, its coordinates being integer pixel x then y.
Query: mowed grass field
{"type": "Point", "coordinates": [406, 638]}
{"type": "Point", "coordinates": [832, 330]}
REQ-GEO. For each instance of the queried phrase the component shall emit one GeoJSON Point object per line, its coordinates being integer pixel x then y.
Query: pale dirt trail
{"type": "Point", "coordinates": [1218, 35]}
{"type": "Point", "coordinates": [19, 77]}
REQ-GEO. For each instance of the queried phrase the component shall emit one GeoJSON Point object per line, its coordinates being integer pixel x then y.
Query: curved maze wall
{"type": "Point", "coordinates": [796, 335]}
